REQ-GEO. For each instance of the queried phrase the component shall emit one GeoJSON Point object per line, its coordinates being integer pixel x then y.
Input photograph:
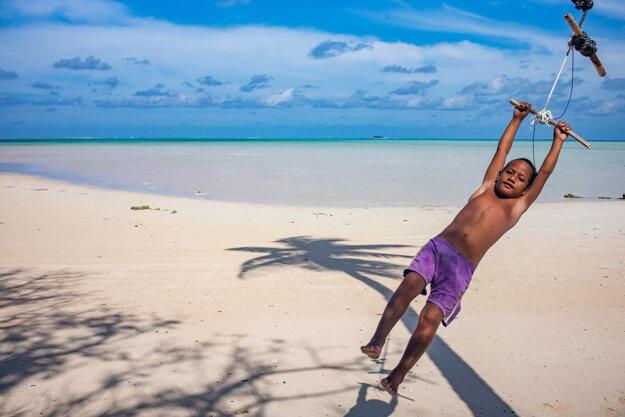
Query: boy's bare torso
{"type": "Point", "coordinates": [484, 219]}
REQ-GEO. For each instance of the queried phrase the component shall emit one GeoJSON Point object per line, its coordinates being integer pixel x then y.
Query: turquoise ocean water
{"type": "Point", "coordinates": [330, 172]}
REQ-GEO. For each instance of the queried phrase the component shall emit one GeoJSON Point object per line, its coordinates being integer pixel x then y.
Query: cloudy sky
{"type": "Point", "coordinates": [263, 68]}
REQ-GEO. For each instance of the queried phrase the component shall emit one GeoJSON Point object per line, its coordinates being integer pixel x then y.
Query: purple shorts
{"type": "Point", "coordinates": [448, 272]}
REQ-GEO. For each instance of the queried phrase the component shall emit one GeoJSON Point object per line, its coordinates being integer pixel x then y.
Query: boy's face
{"type": "Point", "coordinates": [512, 182]}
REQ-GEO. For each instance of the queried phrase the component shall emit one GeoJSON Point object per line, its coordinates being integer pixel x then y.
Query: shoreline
{"type": "Point", "coordinates": [200, 196]}
{"type": "Point", "coordinates": [225, 308]}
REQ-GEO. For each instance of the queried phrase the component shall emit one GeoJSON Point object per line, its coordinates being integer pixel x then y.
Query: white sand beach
{"type": "Point", "coordinates": [226, 308]}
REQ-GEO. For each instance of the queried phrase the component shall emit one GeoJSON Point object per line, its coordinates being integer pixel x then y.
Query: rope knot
{"type": "Point", "coordinates": [543, 117]}
{"type": "Point", "coordinates": [584, 45]}
{"type": "Point", "coordinates": [584, 5]}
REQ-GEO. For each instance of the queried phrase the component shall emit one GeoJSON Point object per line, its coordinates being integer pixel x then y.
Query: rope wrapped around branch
{"type": "Point", "coordinates": [584, 45]}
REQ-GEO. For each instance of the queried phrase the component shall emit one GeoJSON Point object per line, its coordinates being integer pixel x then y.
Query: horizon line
{"type": "Point", "coordinates": [253, 138]}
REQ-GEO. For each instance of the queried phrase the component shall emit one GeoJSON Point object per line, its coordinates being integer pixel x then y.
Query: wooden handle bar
{"type": "Point", "coordinates": [578, 31]}
{"type": "Point", "coordinates": [554, 123]}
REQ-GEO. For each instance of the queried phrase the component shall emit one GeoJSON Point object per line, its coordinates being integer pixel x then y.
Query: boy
{"type": "Point", "coordinates": [447, 261]}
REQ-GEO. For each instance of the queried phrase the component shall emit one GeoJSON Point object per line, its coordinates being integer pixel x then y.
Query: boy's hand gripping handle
{"type": "Point", "coordinates": [554, 123]}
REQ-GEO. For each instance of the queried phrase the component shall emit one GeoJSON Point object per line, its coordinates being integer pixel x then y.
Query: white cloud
{"type": "Point", "coordinates": [231, 3]}
{"type": "Point", "coordinates": [423, 102]}
{"type": "Point", "coordinates": [461, 102]}
{"type": "Point", "coordinates": [497, 85]}
{"type": "Point", "coordinates": [73, 10]}
{"type": "Point", "coordinates": [449, 19]}
{"type": "Point", "coordinates": [611, 8]}
{"type": "Point", "coordinates": [614, 106]}
{"type": "Point", "coordinates": [233, 55]}
{"type": "Point", "coordinates": [280, 100]}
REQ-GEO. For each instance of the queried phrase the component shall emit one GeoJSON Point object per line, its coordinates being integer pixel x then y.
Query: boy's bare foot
{"type": "Point", "coordinates": [391, 382]}
{"type": "Point", "coordinates": [372, 350]}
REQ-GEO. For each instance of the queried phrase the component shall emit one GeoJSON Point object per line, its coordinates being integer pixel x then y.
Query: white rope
{"type": "Point", "coordinates": [557, 78]}
{"type": "Point", "coordinates": [544, 116]}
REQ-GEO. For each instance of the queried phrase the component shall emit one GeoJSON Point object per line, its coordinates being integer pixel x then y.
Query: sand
{"type": "Point", "coordinates": [223, 309]}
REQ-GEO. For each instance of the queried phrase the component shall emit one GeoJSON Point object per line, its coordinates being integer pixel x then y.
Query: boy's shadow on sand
{"type": "Point", "coordinates": [371, 408]}
{"type": "Point", "coordinates": [363, 262]}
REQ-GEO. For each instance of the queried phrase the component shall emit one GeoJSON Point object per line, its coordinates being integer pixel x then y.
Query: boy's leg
{"type": "Point", "coordinates": [430, 318]}
{"type": "Point", "coordinates": [410, 287]}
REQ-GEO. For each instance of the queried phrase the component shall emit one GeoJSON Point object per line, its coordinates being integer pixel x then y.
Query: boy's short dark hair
{"type": "Point", "coordinates": [531, 178]}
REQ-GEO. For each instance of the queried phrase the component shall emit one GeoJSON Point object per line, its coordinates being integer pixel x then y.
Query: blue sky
{"type": "Point", "coordinates": [260, 68]}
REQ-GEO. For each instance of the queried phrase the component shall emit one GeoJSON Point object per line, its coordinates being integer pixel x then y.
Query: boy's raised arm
{"type": "Point", "coordinates": [548, 165]}
{"type": "Point", "coordinates": [503, 147]}
{"type": "Point", "coordinates": [505, 143]}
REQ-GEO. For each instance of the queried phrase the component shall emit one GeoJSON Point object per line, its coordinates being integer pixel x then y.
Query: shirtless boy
{"type": "Point", "coordinates": [447, 261]}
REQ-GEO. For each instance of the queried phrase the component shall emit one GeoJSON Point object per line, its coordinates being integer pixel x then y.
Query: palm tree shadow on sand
{"type": "Point", "coordinates": [363, 262]}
